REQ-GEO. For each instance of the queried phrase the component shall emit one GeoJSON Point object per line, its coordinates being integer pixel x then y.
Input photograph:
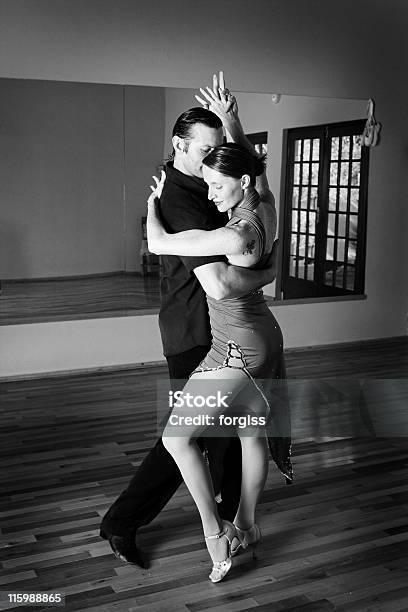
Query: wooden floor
{"type": "Point", "coordinates": [113, 295]}
{"type": "Point", "coordinates": [109, 295]}
{"type": "Point", "coordinates": [337, 539]}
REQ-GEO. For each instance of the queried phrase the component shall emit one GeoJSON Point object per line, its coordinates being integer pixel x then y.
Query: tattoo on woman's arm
{"type": "Point", "coordinates": [249, 248]}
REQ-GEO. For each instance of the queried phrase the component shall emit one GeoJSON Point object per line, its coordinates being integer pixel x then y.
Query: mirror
{"type": "Point", "coordinates": [77, 160]}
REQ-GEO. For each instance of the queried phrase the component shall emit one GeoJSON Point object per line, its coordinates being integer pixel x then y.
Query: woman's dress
{"type": "Point", "coordinates": [246, 336]}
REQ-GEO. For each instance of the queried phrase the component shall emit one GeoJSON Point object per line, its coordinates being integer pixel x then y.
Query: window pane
{"type": "Point", "coordinates": [311, 247]}
{"type": "Point", "coordinates": [355, 173]}
{"type": "Point", "coordinates": [334, 168]}
{"type": "Point", "coordinates": [345, 147]}
{"type": "Point", "coordinates": [302, 269]}
{"type": "Point", "coordinates": [316, 149]}
{"type": "Point", "coordinates": [313, 197]}
{"type": "Point", "coordinates": [351, 251]}
{"type": "Point", "coordinates": [304, 200]}
{"type": "Point", "coordinates": [356, 147]}
{"type": "Point", "coordinates": [296, 174]}
{"type": "Point", "coordinates": [340, 249]}
{"type": "Point", "coordinates": [294, 220]}
{"type": "Point", "coordinates": [295, 197]}
{"type": "Point", "coordinates": [293, 244]}
{"type": "Point", "coordinates": [261, 148]}
{"type": "Point", "coordinates": [303, 216]}
{"type": "Point", "coordinates": [297, 149]}
{"type": "Point", "coordinates": [332, 198]}
{"type": "Point", "coordinates": [302, 242]}
{"type": "Point", "coordinates": [315, 174]}
{"type": "Point", "coordinates": [335, 148]}
{"type": "Point", "coordinates": [344, 173]}
{"type": "Point", "coordinates": [342, 220]}
{"type": "Point", "coordinates": [353, 222]}
{"type": "Point", "coordinates": [306, 150]}
{"type": "Point", "coordinates": [331, 224]}
{"type": "Point", "coordinates": [343, 199]}
{"type": "Point", "coordinates": [305, 174]}
{"type": "Point", "coordinates": [312, 223]}
{"type": "Point", "coordinates": [292, 266]}
{"type": "Point", "coordinates": [330, 249]}
{"type": "Point", "coordinates": [354, 198]}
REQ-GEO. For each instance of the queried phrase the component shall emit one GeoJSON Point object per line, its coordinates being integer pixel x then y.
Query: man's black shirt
{"type": "Point", "coordinates": [183, 317]}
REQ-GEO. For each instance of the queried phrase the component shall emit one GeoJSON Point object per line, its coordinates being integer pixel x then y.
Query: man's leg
{"type": "Point", "coordinates": [229, 452]}
{"type": "Point", "coordinates": [158, 476]}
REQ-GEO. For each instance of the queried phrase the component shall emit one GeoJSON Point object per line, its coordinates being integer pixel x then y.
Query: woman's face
{"type": "Point", "coordinates": [225, 191]}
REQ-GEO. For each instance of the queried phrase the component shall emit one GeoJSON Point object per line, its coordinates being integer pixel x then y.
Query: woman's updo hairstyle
{"type": "Point", "coordinates": [233, 160]}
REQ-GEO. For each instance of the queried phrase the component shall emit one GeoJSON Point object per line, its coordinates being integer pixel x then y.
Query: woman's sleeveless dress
{"type": "Point", "coordinates": [246, 336]}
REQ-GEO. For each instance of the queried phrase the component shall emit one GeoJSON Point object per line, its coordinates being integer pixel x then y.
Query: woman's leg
{"type": "Point", "coordinates": [254, 445]}
{"type": "Point", "coordinates": [254, 474]}
{"type": "Point", "coordinates": [224, 383]}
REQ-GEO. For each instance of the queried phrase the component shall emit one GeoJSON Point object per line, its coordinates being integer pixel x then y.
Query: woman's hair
{"type": "Point", "coordinates": [234, 160]}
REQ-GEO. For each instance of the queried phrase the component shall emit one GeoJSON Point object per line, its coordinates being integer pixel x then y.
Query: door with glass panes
{"type": "Point", "coordinates": [325, 204]}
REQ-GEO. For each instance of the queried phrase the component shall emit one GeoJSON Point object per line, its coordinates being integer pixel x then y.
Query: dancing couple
{"type": "Point", "coordinates": [212, 218]}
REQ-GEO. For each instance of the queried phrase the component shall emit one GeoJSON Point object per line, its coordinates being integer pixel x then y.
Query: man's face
{"type": "Point", "coordinates": [201, 141]}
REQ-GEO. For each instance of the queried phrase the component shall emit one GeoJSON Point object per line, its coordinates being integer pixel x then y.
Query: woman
{"type": "Point", "coordinates": [247, 341]}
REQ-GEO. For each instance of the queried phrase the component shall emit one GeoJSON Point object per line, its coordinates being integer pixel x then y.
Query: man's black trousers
{"type": "Point", "coordinates": [158, 476]}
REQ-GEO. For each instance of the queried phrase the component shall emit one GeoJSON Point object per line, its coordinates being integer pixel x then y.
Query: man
{"type": "Point", "coordinates": [186, 335]}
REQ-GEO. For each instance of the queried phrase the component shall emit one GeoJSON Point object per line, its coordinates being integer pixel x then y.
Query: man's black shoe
{"type": "Point", "coordinates": [126, 550]}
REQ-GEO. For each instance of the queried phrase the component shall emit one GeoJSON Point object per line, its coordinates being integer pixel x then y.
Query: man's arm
{"type": "Point", "coordinates": [220, 280]}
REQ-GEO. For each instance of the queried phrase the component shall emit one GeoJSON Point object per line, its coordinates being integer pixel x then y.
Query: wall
{"type": "Point", "coordinates": [61, 177]}
{"type": "Point", "coordinates": [78, 345]}
{"type": "Point", "coordinates": [65, 160]}
{"type": "Point", "coordinates": [322, 48]}
{"type": "Point", "coordinates": [144, 135]}
{"type": "Point", "coordinates": [319, 47]}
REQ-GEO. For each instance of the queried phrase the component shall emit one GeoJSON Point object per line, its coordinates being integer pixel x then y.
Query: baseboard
{"type": "Point", "coordinates": [335, 345]}
{"type": "Point", "coordinates": [397, 340]}
{"type": "Point", "coordinates": [85, 371]}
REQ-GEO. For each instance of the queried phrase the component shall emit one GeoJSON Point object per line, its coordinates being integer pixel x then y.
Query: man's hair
{"type": "Point", "coordinates": [183, 126]}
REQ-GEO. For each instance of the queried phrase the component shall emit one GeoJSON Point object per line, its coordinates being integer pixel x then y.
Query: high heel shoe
{"type": "Point", "coordinates": [221, 568]}
{"type": "Point", "coordinates": [247, 538]}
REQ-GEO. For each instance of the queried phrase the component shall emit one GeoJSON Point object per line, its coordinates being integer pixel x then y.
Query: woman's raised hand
{"type": "Point", "coordinates": [219, 99]}
{"type": "Point", "coordinates": [157, 190]}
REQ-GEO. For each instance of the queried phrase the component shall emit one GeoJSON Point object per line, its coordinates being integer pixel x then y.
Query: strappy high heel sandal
{"type": "Point", "coordinates": [221, 568]}
{"type": "Point", "coordinates": [247, 539]}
